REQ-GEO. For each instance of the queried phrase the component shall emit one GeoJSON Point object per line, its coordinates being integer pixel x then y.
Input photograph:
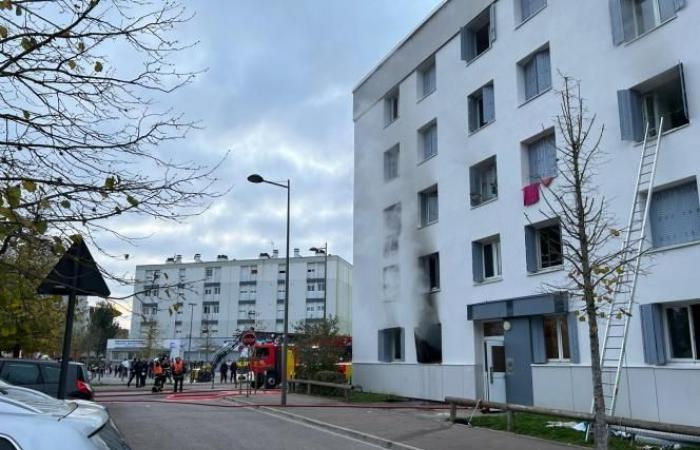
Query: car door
{"type": "Point", "coordinates": [22, 373]}
{"type": "Point", "coordinates": [50, 373]}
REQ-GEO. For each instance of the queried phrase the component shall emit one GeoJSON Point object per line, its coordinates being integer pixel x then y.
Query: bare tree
{"type": "Point", "coordinates": [594, 253]}
{"type": "Point", "coordinates": [82, 138]}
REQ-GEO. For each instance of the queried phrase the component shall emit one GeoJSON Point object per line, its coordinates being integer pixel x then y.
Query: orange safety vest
{"type": "Point", "coordinates": [178, 368]}
{"type": "Point", "coordinates": [158, 370]}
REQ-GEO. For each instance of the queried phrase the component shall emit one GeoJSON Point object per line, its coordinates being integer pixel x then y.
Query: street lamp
{"type": "Point", "coordinates": [323, 250]}
{"type": "Point", "coordinates": [189, 345]}
{"type": "Point", "coordinates": [255, 178]}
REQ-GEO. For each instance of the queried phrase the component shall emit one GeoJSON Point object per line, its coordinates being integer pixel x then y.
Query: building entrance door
{"type": "Point", "coordinates": [495, 366]}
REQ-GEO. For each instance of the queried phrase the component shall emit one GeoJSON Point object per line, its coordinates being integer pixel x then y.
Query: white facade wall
{"type": "Point", "coordinates": [264, 316]}
{"type": "Point", "coordinates": [580, 42]}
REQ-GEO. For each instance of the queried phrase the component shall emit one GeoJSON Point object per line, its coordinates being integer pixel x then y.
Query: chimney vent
{"type": "Point", "coordinates": [178, 259]}
{"type": "Point", "coordinates": [222, 257]}
{"type": "Point", "coordinates": [197, 257]}
{"type": "Point", "coordinates": [275, 253]}
{"type": "Point", "coordinates": [296, 253]}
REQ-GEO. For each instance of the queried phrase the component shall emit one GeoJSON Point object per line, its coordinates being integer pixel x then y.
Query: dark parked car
{"type": "Point", "coordinates": [42, 376]}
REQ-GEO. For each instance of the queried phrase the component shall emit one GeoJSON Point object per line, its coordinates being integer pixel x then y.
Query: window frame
{"type": "Point", "coordinates": [695, 351]}
{"type": "Point", "coordinates": [423, 134]}
{"type": "Point", "coordinates": [392, 106]}
{"type": "Point", "coordinates": [425, 264]}
{"type": "Point", "coordinates": [426, 71]}
{"type": "Point", "coordinates": [538, 247]}
{"type": "Point", "coordinates": [391, 163]}
{"type": "Point", "coordinates": [533, 59]}
{"type": "Point", "coordinates": [561, 322]}
{"type": "Point", "coordinates": [532, 14]}
{"type": "Point", "coordinates": [476, 110]}
{"type": "Point", "coordinates": [425, 208]}
{"type": "Point", "coordinates": [652, 219]}
{"type": "Point", "coordinates": [497, 264]}
{"type": "Point", "coordinates": [477, 176]}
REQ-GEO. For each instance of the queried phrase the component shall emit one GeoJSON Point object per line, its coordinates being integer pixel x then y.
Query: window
{"type": "Point", "coordinates": [543, 246]}
{"type": "Point", "coordinates": [663, 96]}
{"type": "Point", "coordinates": [542, 159]}
{"type": "Point", "coordinates": [391, 163]}
{"type": "Point", "coordinates": [280, 293]}
{"type": "Point", "coordinates": [493, 328]}
{"type": "Point", "coordinates": [249, 273]}
{"type": "Point", "coordinates": [217, 290]}
{"type": "Point", "coordinates": [315, 270]}
{"type": "Point", "coordinates": [427, 81]}
{"type": "Point", "coordinates": [392, 229]}
{"type": "Point", "coordinates": [208, 272]}
{"type": "Point", "coordinates": [481, 107]}
{"type": "Point", "coordinates": [536, 73]}
{"type": "Point", "coordinates": [428, 340]}
{"type": "Point", "coordinates": [207, 291]}
{"type": "Point", "coordinates": [632, 18]}
{"type": "Point", "coordinates": [556, 338]}
{"type": "Point", "coordinates": [483, 182]}
{"type": "Point", "coordinates": [674, 215]}
{"type": "Point", "coordinates": [683, 328]}
{"type": "Point", "coordinates": [20, 374]}
{"type": "Point", "coordinates": [431, 271]}
{"type": "Point", "coordinates": [486, 259]}
{"type": "Point", "coordinates": [428, 141]}
{"type": "Point", "coordinates": [210, 308]}
{"type": "Point", "coordinates": [479, 34]}
{"type": "Point", "coordinates": [529, 8]}
{"type": "Point", "coordinates": [391, 344]}
{"type": "Point", "coordinates": [391, 107]}
{"type": "Point", "coordinates": [310, 287]}
{"type": "Point", "coordinates": [429, 206]}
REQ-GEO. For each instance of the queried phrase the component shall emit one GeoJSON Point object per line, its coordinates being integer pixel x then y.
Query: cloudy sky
{"type": "Point", "coordinates": [277, 94]}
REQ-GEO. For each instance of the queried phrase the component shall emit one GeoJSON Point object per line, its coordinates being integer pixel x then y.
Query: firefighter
{"type": "Point", "coordinates": [224, 372]}
{"type": "Point", "coordinates": [159, 376]}
{"type": "Point", "coordinates": [178, 372]}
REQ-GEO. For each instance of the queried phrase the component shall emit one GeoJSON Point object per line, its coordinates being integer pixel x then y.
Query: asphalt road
{"type": "Point", "coordinates": [155, 426]}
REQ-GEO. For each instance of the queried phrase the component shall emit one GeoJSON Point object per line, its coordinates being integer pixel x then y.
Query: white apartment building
{"type": "Point", "coordinates": [217, 299]}
{"type": "Point", "coordinates": [449, 129]}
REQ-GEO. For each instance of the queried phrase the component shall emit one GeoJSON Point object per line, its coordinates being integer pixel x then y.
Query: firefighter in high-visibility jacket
{"type": "Point", "coordinates": [179, 370]}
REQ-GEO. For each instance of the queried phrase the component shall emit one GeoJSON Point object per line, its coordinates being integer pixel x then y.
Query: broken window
{"type": "Point", "coordinates": [391, 346]}
{"type": "Point", "coordinates": [428, 340]}
{"type": "Point", "coordinates": [392, 229]}
{"type": "Point", "coordinates": [663, 96]}
{"type": "Point", "coordinates": [430, 265]}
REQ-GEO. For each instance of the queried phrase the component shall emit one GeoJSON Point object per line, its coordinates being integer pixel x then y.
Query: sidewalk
{"type": "Point", "coordinates": [111, 382]}
{"type": "Point", "coordinates": [411, 423]}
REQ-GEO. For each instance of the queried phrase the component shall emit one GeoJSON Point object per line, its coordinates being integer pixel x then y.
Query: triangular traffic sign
{"type": "Point", "coordinates": [76, 272]}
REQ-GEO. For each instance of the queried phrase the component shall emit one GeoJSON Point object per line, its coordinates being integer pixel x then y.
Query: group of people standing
{"type": "Point", "coordinates": [161, 369]}
{"type": "Point", "coordinates": [228, 372]}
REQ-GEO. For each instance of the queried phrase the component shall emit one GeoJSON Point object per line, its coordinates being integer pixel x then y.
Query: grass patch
{"type": "Point", "coordinates": [535, 425]}
{"type": "Point", "coordinates": [354, 397]}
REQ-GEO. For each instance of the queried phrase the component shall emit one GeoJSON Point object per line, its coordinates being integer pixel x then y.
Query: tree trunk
{"type": "Point", "coordinates": [600, 428]}
{"type": "Point", "coordinates": [16, 350]}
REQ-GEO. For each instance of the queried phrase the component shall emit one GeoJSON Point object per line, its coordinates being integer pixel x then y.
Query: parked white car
{"type": "Point", "coordinates": [31, 420]}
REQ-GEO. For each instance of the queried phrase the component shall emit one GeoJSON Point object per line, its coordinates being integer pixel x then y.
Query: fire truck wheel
{"type": "Point", "coordinates": [271, 380]}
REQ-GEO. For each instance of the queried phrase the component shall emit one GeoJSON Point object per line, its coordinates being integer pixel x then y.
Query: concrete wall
{"type": "Point", "coordinates": [665, 394]}
{"type": "Point", "coordinates": [580, 42]}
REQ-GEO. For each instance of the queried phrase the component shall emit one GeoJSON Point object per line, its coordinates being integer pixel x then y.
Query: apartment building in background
{"type": "Point", "coordinates": [217, 299]}
{"type": "Point", "coordinates": [452, 130]}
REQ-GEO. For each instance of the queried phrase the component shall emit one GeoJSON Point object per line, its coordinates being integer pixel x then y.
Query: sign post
{"type": "Point", "coordinates": [249, 339]}
{"type": "Point", "coordinates": [76, 273]}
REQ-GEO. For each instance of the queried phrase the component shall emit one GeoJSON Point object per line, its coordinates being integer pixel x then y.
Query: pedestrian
{"type": "Point", "coordinates": [144, 372]}
{"type": "Point", "coordinates": [132, 373]}
{"type": "Point", "coordinates": [167, 370]}
{"type": "Point", "coordinates": [223, 370]}
{"type": "Point", "coordinates": [234, 372]}
{"type": "Point", "coordinates": [159, 376]}
{"type": "Point", "coordinates": [178, 373]}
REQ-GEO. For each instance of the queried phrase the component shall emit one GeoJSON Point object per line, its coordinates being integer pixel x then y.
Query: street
{"type": "Point", "coordinates": [156, 426]}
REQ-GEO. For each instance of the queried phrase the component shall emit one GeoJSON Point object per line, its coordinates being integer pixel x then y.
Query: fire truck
{"type": "Point", "coordinates": [266, 364]}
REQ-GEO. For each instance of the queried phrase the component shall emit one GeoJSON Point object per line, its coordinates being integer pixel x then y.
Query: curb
{"type": "Point", "coordinates": [359, 435]}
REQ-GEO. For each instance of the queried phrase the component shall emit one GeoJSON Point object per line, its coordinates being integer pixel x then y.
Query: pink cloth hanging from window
{"type": "Point", "coordinates": [531, 193]}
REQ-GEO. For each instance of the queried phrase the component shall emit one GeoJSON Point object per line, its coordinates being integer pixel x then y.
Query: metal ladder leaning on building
{"type": "Point", "coordinates": [615, 339]}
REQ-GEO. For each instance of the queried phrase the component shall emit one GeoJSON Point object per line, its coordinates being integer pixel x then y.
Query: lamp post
{"type": "Point", "coordinates": [323, 250]}
{"type": "Point", "coordinates": [255, 178]}
{"type": "Point", "coordinates": [189, 345]}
